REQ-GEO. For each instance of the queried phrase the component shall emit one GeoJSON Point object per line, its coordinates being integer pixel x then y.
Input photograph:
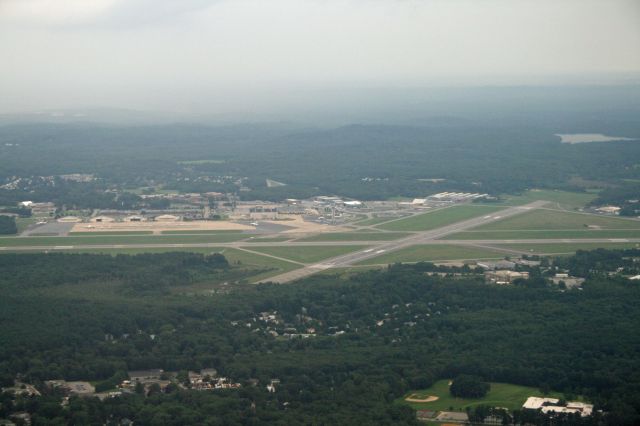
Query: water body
{"type": "Point", "coordinates": [590, 137]}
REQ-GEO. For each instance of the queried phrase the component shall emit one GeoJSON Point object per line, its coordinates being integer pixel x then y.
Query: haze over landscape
{"type": "Point", "coordinates": [238, 58]}
{"type": "Point", "coordinates": [311, 212]}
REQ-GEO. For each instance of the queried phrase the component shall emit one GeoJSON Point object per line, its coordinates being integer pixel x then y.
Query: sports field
{"type": "Point", "coordinates": [438, 218]}
{"type": "Point", "coordinates": [500, 395]}
{"type": "Point", "coordinates": [428, 253]}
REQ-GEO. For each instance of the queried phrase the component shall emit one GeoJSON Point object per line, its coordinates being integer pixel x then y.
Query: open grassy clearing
{"type": "Point", "coordinates": [122, 239]}
{"type": "Point", "coordinates": [308, 254]}
{"type": "Point", "coordinates": [438, 218]}
{"type": "Point", "coordinates": [356, 236]}
{"type": "Point", "coordinates": [563, 199]}
{"type": "Point", "coordinates": [433, 252]}
{"type": "Point", "coordinates": [548, 234]}
{"type": "Point", "coordinates": [500, 395]}
{"type": "Point", "coordinates": [543, 219]}
{"type": "Point", "coordinates": [562, 248]}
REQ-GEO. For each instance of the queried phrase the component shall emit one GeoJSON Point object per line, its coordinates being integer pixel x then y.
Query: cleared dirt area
{"type": "Point", "coordinates": [158, 227]}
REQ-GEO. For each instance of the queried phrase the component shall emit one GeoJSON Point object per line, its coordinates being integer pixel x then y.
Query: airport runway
{"type": "Point", "coordinates": [370, 249]}
{"type": "Point", "coordinates": [391, 246]}
{"type": "Point", "coordinates": [375, 244]}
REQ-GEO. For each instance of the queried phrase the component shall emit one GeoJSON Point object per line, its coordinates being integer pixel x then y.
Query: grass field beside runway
{"type": "Point", "coordinates": [112, 233]}
{"type": "Point", "coordinates": [119, 239]}
{"type": "Point", "coordinates": [562, 248]}
{"type": "Point", "coordinates": [374, 221]}
{"type": "Point", "coordinates": [563, 199]}
{"type": "Point", "coordinates": [306, 254]}
{"type": "Point", "coordinates": [268, 239]}
{"type": "Point", "coordinates": [200, 231]}
{"type": "Point", "coordinates": [438, 218]}
{"type": "Point", "coordinates": [543, 219]}
{"type": "Point", "coordinates": [356, 236]}
{"type": "Point", "coordinates": [433, 252]}
{"type": "Point", "coordinates": [525, 234]}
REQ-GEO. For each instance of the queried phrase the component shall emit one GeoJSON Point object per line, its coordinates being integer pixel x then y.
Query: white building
{"type": "Point", "coordinates": [550, 406]}
{"type": "Point", "coordinates": [535, 403]}
{"type": "Point", "coordinates": [167, 218]}
{"type": "Point", "coordinates": [608, 209]}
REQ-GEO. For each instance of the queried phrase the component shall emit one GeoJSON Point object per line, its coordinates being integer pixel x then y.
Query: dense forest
{"type": "Point", "coordinates": [7, 225]}
{"type": "Point", "coordinates": [377, 335]}
{"type": "Point", "coordinates": [625, 195]}
{"type": "Point", "coordinates": [360, 161]}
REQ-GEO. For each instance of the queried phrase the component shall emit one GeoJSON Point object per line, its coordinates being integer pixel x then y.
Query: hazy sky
{"type": "Point", "coordinates": [224, 55]}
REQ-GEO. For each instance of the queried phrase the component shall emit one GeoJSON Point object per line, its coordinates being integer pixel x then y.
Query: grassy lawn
{"type": "Point", "coordinates": [438, 218]}
{"type": "Point", "coordinates": [433, 252]}
{"type": "Point", "coordinates": [566, 247]}
{"type": "Point", "coordinates": [551, 219]}
{"type": "Point", "coordinates": [308, 254]}
{"type": "Point", "coordinates": [356, 236]}
{"type": "Point", "coordinates": [562, 199]}
{"type": "Point", "coordinates": [500, 395]}
{"type": "Point", "coordinates": [538, 234]}
{"type": "Point", "coordinates": [122, 239]}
